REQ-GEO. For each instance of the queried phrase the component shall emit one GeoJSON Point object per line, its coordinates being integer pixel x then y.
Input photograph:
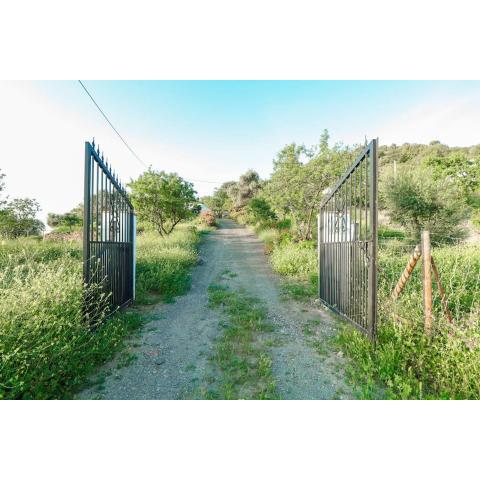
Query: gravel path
{"type": "Point", "coordinates": [170, 357]}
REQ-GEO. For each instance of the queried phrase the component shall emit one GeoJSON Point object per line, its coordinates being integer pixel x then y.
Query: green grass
{"type": "Point", "coordinates": [406, 363]}
{"type": "Point", "coordinates": [294, 259]}
{"type": "Point", "coordinates": [46, 348]}
{"type": "Point", "coordinates": [300, 289]}
{"type": "Point", "coordinates": [163, 265]}
{"type": "Point", "coordinates": [241, 354]}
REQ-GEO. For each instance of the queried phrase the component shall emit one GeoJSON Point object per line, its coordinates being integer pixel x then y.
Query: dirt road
{"type": "Point", "coordinates": [169, 359]}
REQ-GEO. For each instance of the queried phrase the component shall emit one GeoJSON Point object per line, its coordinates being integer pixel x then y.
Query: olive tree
{"type": "Point", "coordinates": [418, 202]}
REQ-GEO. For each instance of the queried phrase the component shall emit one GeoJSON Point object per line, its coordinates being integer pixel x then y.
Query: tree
{"type": "Point", "coordinates": [296, 188]}
{"type": "Point", "coordinates": [418, 203]}
{"type": "Point", "coordinates": [216, 202]}
{"type": "Point", "coordinates": [259, 210]}
{"type": "Point", "coordinates": [459, 168]}
{"type": "Point", "coordinates": [53, 219]}
{"type": "Point", "coordinates": [2, 188]}
{"type": "Point", "coordinates": [222, 199]}
{"type": "Point", "coordinates": [242, 191]}
{"type": "Point", "coordinates": [163, 199]}
{"type": "Point", "coordinates": [18, 218]}
{"type": "Point", "coordinates": [68, 220]}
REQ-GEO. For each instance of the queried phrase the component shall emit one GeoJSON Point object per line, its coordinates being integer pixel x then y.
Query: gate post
{"type": "Point", "coordinates": [319, 239]}
{"type": "Point", "coordinates": [86, 215]}
{"type": "Point", "coordinates": [427, 280]}
{"type": "Point", "coordinates": [134, 252]}
{"type": "Point", "coordinates": [372, 271]}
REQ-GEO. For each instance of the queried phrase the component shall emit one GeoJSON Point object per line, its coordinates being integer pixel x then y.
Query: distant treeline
{"type": "Point", "coordinates": [430, 186]}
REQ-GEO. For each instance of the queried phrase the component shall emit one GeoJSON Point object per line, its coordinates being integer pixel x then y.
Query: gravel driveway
{"type": "Point", "coordinates": [169, 359]}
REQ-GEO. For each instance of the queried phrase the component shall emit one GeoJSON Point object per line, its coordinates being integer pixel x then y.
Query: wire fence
{"type": "Point", "coordinates": [456, 294]}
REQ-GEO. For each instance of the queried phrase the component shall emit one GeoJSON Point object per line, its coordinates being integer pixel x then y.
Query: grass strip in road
{"type": "Point", "coordinates": [241, 352]}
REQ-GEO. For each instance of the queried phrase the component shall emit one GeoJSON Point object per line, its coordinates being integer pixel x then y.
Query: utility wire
{"type": "Point", "coordinates": [111, 124]}
{"type": "Point", "coordinates": [124, 141]}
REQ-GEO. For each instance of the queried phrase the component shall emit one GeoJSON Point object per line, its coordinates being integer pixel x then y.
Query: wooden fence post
{"type": "Point", "coordinates": [443, 296]}
{"type": "Point", "coordinates": [412, 261]}
{"type": "Point", "coordinates": [427, 280]}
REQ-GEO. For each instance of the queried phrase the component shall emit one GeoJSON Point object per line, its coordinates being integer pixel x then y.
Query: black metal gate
{"type": "Point", "coordinates": [108, 233]}
{"type": "Point", "coordinates": [347, 244]}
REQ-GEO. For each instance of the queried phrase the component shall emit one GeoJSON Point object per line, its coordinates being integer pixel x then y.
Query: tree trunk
{"type": "Point", "coordinates": [308, 233]}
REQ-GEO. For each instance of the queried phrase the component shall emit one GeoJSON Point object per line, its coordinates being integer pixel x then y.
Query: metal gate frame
{"type": "Point", "coordinates": [108, 234]}
{"type": "Point", "coordinates": [347, 244]}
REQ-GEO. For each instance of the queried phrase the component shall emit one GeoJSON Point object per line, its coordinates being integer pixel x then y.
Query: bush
{"type": "Point", "coordinates": [271, 238]}
{"type": "Point", "coordinates": [387, 232]}
{"type": "Point", "coordinates": [259, 210]}
{"type": "Point", "coordinates": [46, 348]}
{"type": "Point", "coordinates": [208, 218]}
{"type": "Point", "coordinates": [411, 365]}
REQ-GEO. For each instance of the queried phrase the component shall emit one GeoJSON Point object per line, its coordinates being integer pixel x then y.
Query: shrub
{"type": "Point", "coordinates": [259, 210]}
{"type": "Point", "coordinates": [208, 218]}
{"type": "Point", "coordinates": [271, 237]}
{"type": "Point", "coordinates": [46, 348]}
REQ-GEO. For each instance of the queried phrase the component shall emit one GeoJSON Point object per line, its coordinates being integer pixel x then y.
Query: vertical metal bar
{"type": "Point", "coordinates": [319, 261]}
{"type": "Point", "coordinates": [86, 218]}
{"type": "Point", "coordinates": [134, 251]}
{"type": "Point", "coordinates": [342, 251]}
{"type": "Point", "coordinates": [355, 243]}
{"type": "Point", "coordinates": [110, 210]}
{"type": "Point", "coordinates": [335, 239]}
{"type": "Point", "coordinates": [96, 202]}
{"type": "Point", "coordinates": [349, 249]}
{"type": "Point", "coordinates": [372, 278]}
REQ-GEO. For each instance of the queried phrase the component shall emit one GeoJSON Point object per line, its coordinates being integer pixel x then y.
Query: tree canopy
{"type": "Point", "coordinates": [18, 218]}
{"type": "Point", "coordinates": [163, 199]}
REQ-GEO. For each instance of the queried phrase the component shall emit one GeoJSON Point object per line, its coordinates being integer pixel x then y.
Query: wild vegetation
{"type": "Point", "coordinates": [433, 187]}
{"type": "Point", "coordinates": [17, 216]}
{"type": "Point", "coordinates": [47, 349]}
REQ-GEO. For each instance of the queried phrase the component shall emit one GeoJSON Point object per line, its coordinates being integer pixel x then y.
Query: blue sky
{"type": "Point", "coordinates": [211, 130]}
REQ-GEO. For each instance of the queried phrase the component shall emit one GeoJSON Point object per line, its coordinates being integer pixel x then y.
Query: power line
{"type": "Point", "coordinates": [124, 141]}
{"type": "Point", "coordinates": [203, 181]}
{"type": "Point", "coordinates": [111, 124]}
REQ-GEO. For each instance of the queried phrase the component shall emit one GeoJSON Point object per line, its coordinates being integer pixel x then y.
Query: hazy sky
{"type": "Point", "coordinates": [210, 130]}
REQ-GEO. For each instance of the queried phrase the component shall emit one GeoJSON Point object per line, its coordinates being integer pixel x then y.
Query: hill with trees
{"type": "Point", "coordinates": [430, 186]}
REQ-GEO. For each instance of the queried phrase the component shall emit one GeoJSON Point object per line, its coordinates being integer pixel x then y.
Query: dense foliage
{"type": "Point", "coordinates": [69, 221]}
{"type": "Point", "coordinates": [163, 200]}
{"type": "Point", "coordinates": [46, 348]}
{"type": "Point", "coordinates": [417, 202]}
{"type": "Point", "coordinates": [18, 216]}
{"type": "Point", "coordinates": [421, 186]}
{"type": "Point", "coordinates": [294, 191]}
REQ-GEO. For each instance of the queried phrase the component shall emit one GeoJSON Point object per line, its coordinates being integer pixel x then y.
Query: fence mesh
{"type": "Point", "coordinates": [458, 265]}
